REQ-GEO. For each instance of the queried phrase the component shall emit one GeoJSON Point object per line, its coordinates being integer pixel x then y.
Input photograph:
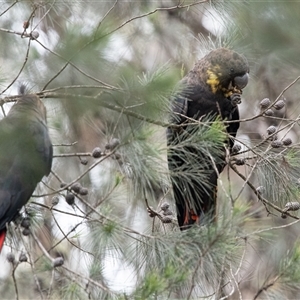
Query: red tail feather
{"type": "Point", "coordinates": [190, 217]}
{"type": "Point", "coordinates": [2, 238]}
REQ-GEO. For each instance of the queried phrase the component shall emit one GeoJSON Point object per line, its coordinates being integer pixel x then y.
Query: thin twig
{"type": "Point", "coordinates": [158, 9]}
{"type": "Point", "coordinates": [51, 284]}
{"type": "Point", "coordinates": [113, 107]}
{"type": "Point", "coordinates": [270, 106]}
{"type": "Point", "coordinates": [272, 228]}
{"type": "Point", "coordinates": [15, 281]}
{"type": "Point", "coordinates": [88, 279]}
{"type": "Point", "coordinates": [7, 9]}
{"type": "Point", "coordinates": [21, 69]}
{"type": "Point", "coordinates": [105, 16]}
{"type": "Point", "coordinates": [32, 266]}
{"type": "Point", "coordinates": [68, 62]}
{"type": "Point", "coordinates": [72, 154]}
{"type": "Point", "coordinates": [266, 286]}
{"type": "Point", "coordinates": [262, 199]}
{"type": "Point", "coordinates": [79, 177]}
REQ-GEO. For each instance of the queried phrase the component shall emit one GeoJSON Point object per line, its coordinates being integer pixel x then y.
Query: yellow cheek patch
{"type": "Point", "coordinates": [213, 80]}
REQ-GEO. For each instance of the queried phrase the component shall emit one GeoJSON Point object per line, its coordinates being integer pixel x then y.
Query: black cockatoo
{"type": "Point", "coordinates": [211, 90]}
{"type": "Point", "coordinates": [25, 156]}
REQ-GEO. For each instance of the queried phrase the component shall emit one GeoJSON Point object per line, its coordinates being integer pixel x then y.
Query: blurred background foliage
{"type": "Point", "coordinates": [106, 71]}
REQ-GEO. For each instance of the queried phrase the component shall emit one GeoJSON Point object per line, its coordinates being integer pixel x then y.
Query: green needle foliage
{"type": "Point", "coordinates": [280, 170]}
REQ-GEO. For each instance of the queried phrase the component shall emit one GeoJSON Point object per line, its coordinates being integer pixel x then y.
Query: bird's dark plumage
{"type": "Point", "coordinates": [25, 156]}
{"type": "Point", "coordinates": [211, 89]}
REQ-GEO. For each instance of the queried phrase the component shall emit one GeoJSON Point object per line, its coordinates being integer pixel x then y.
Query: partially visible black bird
{"type": "Point", "coordinates": [211, 89]}
{"type": "Point", "coordinates": [25, 156]}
